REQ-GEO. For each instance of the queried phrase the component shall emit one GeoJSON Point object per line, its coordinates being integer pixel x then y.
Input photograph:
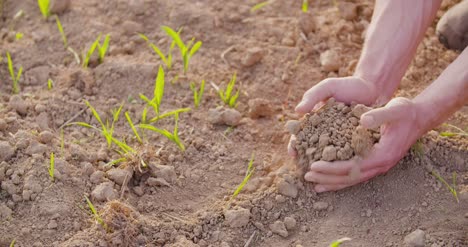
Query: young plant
{"type": "Point", "coordinates": [52, 167]}
{"type": "Point", "coordinates": [130, 122]}
{"type": "Point", "coordinates": [13, 242]}
{"type": "Point", "coordinates": [14, 77]}
{"type": "Point", "coordinates": [158, 93]}
{"type": "Point", "coordinates": [50, 84]}
{"type": "Point", "coordinates": [168, 114]}
{"type": "Point", "coordinates": [96, 215]}
{"type": "Point", "coordinates": [305, 6]}
{"type": "Point", "coordinates": [226, 95]}
{"type": "Point", "coordinates": [174, 136]}
{"type": "Point", "coordinates": [452, 188]}
{"type": "Point", "coordinates": [62, 33]}
{"type": "Point", "coordinates": [44, 6]}
{"type": "Point", "coordinates": [459, 132]}
{"type": "Point", "coordinates": [19, 36]}
{"type": "Point", "coordinates": [248, 174]}
{"type": "Point", "coordinates": [167, 60]}
{"type": "Point", "coordinates": [186, 50]}
{"type": "Point", "coordinates": [338, 242]}
{"type": "Point", "coordinates": [197, 94]}
{"type": "Point", "coordinates": [102, 50]}
{"type": "Point", "coordinates": [259, 6]}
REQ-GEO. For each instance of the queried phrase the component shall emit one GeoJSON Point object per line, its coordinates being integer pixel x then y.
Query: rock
{"type": "Point", "coordinates": [279, 228]}
{"type": "Point", "coordinates": [97, 177]}
{"type": "Point", "coordinates": [104, 192]}
{"type": "Point", "coordinates": [226, 116]}
{"type": "Point", "coordinates": [329, 153]}
{"type": "Point", "coordinates": [119, 176]}
{"type": "Point", "coordinates": [87, 169]}
{"type": "Point", "coordinates": [253, 56]}
{"type": "Point", "coordinates": [6, 151]}
{"type": "Point", "coordinates": [131, 27]}
{"type": "Point", "coordinates": [320, 206]}
{"type": "Point", "coordinates": [3, 125]}
{"type": "Point", "coordinates": [165, 172]}
{"type": "Point", "coordinates": [37, 75]}
{"type": "Point", "coordinates": [237, 217]}
{"type": "Point", "coordinates": [348, 10]}
{"type": "Point", "coordinates": [157, 182]}
{"type": "Point", "coordinates": [290, 223]}
{"type": "Point", "coordinates": [52, 224]}
{"type": "Point", "coordinates": [59, 6]}
{"type": "Point", "coordinates": [40, 108]}
{"type": "Point", "coordinates": [42, 120]}
{"type": "Point", "coordinates": [5, 212]}
{"type": "Point", "coordinates": [36, 148]}
{"type": "Point", "coordinates": [293, 126]}
{"type": "Point", "coordinates": [330, 61]}
{"type": "Point", "coordinates": [324, 140]}
{"type": "Point", "coordinates": [18, 104]}
{"type": "Point", "coordinates": [415, 239]}
{"type": "Point", "coordinates": [260, 108]}
{"type": "Point", "coordinates": [46, 137]}
{"type": "Point", "coordinates": [287, 189]}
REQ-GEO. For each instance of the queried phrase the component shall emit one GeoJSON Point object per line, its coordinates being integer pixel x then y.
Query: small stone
{"type": "Point", "coordinates": [320, 206]}
{"type": "Point", "coordinates": [237, 217]}
{"type": "Point", "coordinates": [260, 108]}
{"type": "Point", "coordinates": [119, 176]}
{"type": "Point", "coordinates": [157, 182]}
{"type": "Point", "coordinates": [40, 108]}
{"type": "Point", "coordinates": [104, 192]}
{"type": "Point", "coordinates": [59, 6]}
{"type": "Point", "coordinates": [424, 204]}
{"type": "Point", "coordinates": [97, 177]}
{"type": "Point", "coordinates": [330, 61]}
{"type": "Point", "coordinates": [280, 198]}
{"type": "Point", "coordinates": [139, 190]}
{"type": "Point", "coordinates": [6, 151]}
{"type": "Point", "coordinates": [46, 137]}
{"type": "Point", "coordinates": [329, 153]}
{"type": "Point", "coordinates": [226, 116]}
{"type": "Point", "coordinates": [52, 224]}
{"type": "Point", "coordinates": [36, 148]}
{"type": "Point", "coordinates": [18, 104]}
{"type": "Point", "coordinates": [290, 223]}
{"type": "Point", "coordinates": [324, 140]}
{"type": "Point", "coordinates": [165, 172]}
{"type": "Point", "coordinates": [415, 239]}
{"type": "Point", "coordinates": [293, 126]}
{"type": "Point", "coordinates": [5, 212]}
{"type": "Point", "coordinates": [253, 56]}
{"type": "Point", "coordinates": [287, 189]}
{"type": "Point", "coordinates": [279, 228]}
{"type": "Point", "coordinates": [131, 27]}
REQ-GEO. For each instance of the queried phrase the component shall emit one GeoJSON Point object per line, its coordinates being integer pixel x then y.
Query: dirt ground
{"type": "Point", "coordinates": [183, 198]}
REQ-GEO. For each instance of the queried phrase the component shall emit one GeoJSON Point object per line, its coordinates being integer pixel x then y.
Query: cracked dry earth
{"type": "Point", "coordinates": [183, 198]}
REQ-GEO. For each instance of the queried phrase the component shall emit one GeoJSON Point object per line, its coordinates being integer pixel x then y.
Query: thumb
{"type": "Point", "coordinates": [395, 110]}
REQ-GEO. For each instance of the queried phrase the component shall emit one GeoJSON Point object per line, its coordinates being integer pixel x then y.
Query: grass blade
{"type": "Point", "coordinates": [169, 113]}
{"type": "Point", "coordinates": [175, 36]}
{"type": "Point", "coordinates": [44, 7]}
{"type": "Point", "coordinates": [103, 49]}
{"type": "Point", "coordinates": [52, 167]}
{"type": "Point", "coordinates": [338, 242]}
{"type": "Point", "coordinates": [305, 6]}
{"type": "Point", "coordinates": [130, 122]}
{"type": "Point", "coordinates": [248, 174]}
{"type": "Point", "coordinates": [62, 33]}
{"type": "Point", "coordinates": [195, 48]}
{"type": "Point", "coordinates": [91, 52]}
{"type": "Point", "coordinates": [159, 87]}
{"type": "Point", "coordinates": [259, 6]}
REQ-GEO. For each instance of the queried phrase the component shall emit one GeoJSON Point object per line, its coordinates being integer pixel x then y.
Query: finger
{"type": "Point", "coordinates": [390, 113]}
{"type": "Point", "coordinates": [330, 179]}
{"type": "Point", "coordinates": [314, 95]}
{"type": "Point", "coordinates": [319, 188]}
{"type": "Point", "coordinates": [336, 167]}
{"type": "Point", "coordinates": [292, 143]}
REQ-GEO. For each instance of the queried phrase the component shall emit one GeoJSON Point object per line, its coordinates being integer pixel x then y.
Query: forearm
{"type": "Point", "coordinates": [396, 29]}
{"type": "Point", "coordinates": [447, 94]}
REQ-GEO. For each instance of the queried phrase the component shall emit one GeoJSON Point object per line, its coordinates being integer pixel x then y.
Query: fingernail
{"type": "Point", "coordinates": [368, 121]}
{"type": "Point", "coordinates": [309, 177]}
{"type": "Point", "coordinates": [301, 104]}
{"type": "Point", "coordinates": [319, 189]}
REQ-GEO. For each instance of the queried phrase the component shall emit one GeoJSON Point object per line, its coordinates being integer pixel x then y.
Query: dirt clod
{"type": "Point", "coordinates": [287, 189]}
{"type": "Point", "coordinates": [260, 108]}
{"type": "Point", "coordinates": [279, 228]}
{"type": "Point", "coordinates": [119, 175]}
{"type": "Point", "coordinates": [18, 104]}
{"type": "Point", "coordinates": [253, 56]}
{"type": "Point", "coordinates": [226, 116]}
{"type": "Point", "coordinates": [290, 223]}
{"type": "Point", "coordinates": [416, 238]}
{"type": "Point", "coordinates": [6, 151]}
{"type": "Point", "coordinates": [320, 206]}
{"type": "Point", "coordinates": [330, 61]}
{"type": "Point", "coordinates": [104, 192]}
{"type": "Point", "coordinates": [237, 217]}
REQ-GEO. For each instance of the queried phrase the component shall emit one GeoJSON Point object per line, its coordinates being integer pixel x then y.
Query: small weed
{"type": "Point", "coordinates": [338, 242]}
{"type": "Point", "coordinates": [62, 143]}
{"type": "Point", "coordinates": [166, 59]}
{"type": "Point", "coordinates": [305, 6]}
{"type": "Point", "coordinates": [259, 6]}
{"type": "Point", "coordinates": [14, 77]}
{"type": "Point", "coordinates": [102, 50]}
{"type": "Point", "coordinates": [197, 93]}
{"type": "Point", "coordinates": [451, 188]}
{"type": "Point", "coordinates": [62, 33]}
{"type": "Point", "coordinates": [248, 174]}
{"type": "Point", "coordinates": [459, 132]}
{"type": "Point", "coordinates": [186, 50]}
{"type": "Point", "coordinates": [52, 167]}
{"type": "Point", "coordinates": [226, 96]}
{"type": "Point", "coordinates": [44, 6]}
{"type": "Point", "coordinates": [19, 36]}
{"type": "Point", "coordinates": [97, 217]}
{"type": "Point", "coordinates": [13, 242]}
{"type": "Point", "coordinates": [50, 84]}
{"type": "Point", "coordinates": [174, 137]}
{"type": "Point", "coordinates": [155, 102]}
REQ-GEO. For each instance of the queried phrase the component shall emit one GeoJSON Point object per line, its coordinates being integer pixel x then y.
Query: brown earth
{"type": "Point", "coordinates": [182, 198]}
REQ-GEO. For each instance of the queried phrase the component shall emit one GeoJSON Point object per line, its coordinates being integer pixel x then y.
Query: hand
{"type": "Point", "coordinates": [401, 125]}
{"type": "Point", "coordinates": [346, 90]}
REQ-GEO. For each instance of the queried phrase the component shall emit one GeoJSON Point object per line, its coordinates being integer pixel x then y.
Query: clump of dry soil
{"type": "Point", "coordinates": [332, 133]}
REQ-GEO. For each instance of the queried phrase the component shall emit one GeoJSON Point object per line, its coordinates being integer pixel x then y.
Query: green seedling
{"type": "Point", "coordinates": [197, 93]}
{"type": "Point", "coordinates": [96, 215]}
{"type": "Point", "coordinates": [168, 114]}
{"type": "Point", "coordinates": [19, 36]}
{"type": "Point", "coordinates": [52, 167]}
{"type": "Point", "coordinates": [451, 188]}
{"type": "Point", "coordinates": [418, 148]}
{"type": "Point", "coordinates": [226, 95]}
{"type": "Point", "coordinates": [167, 59]}
{"type": "Point", "coordinates": [13, 242]}
{"type": "Point", "coordinates": [174, 137]}
{"type": "Point", "coordinates": [50, 84]}
{"type": "Point", "coordinates": [305, 6]}
{"type": "Point", "coordinates": [130, 122]}
{"type": "Point", "coordinates": [44, 6]}
{"type": "Point", "coordinates": [459, 132]}
{"type": "Point", "coordinates": [248, 174]}
{"type": "Point", "coordinates": [158, 93]}
{"type": "Point", "coordinates": [102, 50]}
{"type": "Point", "coordinates": [62, 32]}
{"type": "Point", "coordinates": [62, 143]}
{"type": "Point", "coordinates": [186, 50]}
{"type": "Point", "coordinates": [14, 77]}
{"type": "Point", "coordinates": [259, 6]}
{"type": "Point", "coordinates": [338, 242]}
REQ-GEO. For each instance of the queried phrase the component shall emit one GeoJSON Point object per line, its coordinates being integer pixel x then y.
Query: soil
{"type": "Point", "coordinates": [184, 198]}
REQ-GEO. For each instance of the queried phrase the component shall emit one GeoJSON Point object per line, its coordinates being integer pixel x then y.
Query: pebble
{"type": "Point", "coordinates": [415, 239]}
{"type": "Point", "coordinates": [253, 56]}
{"type": "Point", "coordinates": [46, 137]}
{"type": "Point", "coordinates": [131, 27]}
{"type": "Point", "coordinates": [293, 126]}
{"type": "Point", "coordinates": [260, 108]}
{"type": "Point", "coordinates": [104, 192]}
{"type": "Point", "coordinates": [120, 175]}
{"type": "Point", "coordinates": [97, 177]}
{"type": "Point", "coordinates": [165, 172]}
{"type": "Point", "coordinates": [40, 108]}
{"type": "Point", "coordinates": [6, 151]}
{"type": "Point", "coordinates": [330, 61]}
{"type": "Point", "coordinates": [5, 212]}
{"type": "Point", "coordinates": [157, 182]}
{"type": "Point", "coordinates": [287, 189]}
{"type": "Point", "coordinates": [52, 224]}
{"type": "Point", "coordinates": [237, 217]}
{"type": "Point", "coordinates": [320, 206]}
{"type": "Point", "coordinates": [36, 148]}
{"type": "Point", "coordinates": [59, 6]}
{"type": "Point", "coordinates": [280, 198]}
{"type": "Point", "coordinates": [290, 223]}
{"type": "Point", "coordinates": [279, 228]}
{"type": "Point", "coordinates": [18, 104]}
{"type": "Point", "coordinates": [224, 116]}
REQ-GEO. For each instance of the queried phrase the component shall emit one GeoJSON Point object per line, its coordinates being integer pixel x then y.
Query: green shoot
{"type": "Point", "coordinates": [174, 137]}
{"type": "Point", "coordinates": [197, 94]}
{"type": "Point", "coordinates": [44, 6]}
{"type": "Point", "coordinates": [19, 36]}
{"type": "Point", "coordinates": [50, 84]}
{"type": "Point", "coordinates": [166, 59]}
{"type": "Point", "coordinates": [186, 50]}
{"type": "Point", "coordinates": [158, 93]}
{"type": "Point", "coordinates": [259, 6]}
{"type": "Point", "coordinates": [102, 50]}
{"type": "Point", "coordinates": [62, 33]}
{"type": "Point", "coordinates": [305, 6]}
{"type": "Point", "coordinates": [13, 242]}
{"type": "Point", "coordinates": [338, 242]}
{"type": "Point", "coordinates": [459, 132]}
{"type": "Point", "coordinates": [130, 122]}
{"type": "Point", "coordinates": [14, 77]}
{"type": "Point", "coordinates": [226, 96]}
{"type": "Point", "coordinates": [52, 167]}
{"type": "Point", "coordinates": [248, 174]}
{"type": "Point", "coordinates": [62, 143]}
{"type": "Point", "coordinates": [97, 217]}
{"type": "Point", "coordinates": [418, 148]}
{"type": "Point", "coordinates": [452, 188]}
{"type": "Point", "coordinates": [168, 114]}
